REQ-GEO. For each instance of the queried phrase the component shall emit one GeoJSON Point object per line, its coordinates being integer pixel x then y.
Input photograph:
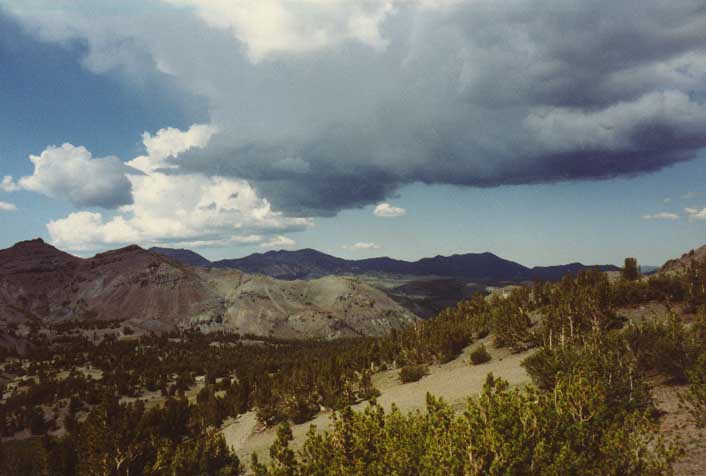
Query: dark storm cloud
{"type": "Point", "coordinates": [475, 93]}
{"type": "Point", "coordinates": [478, 94]}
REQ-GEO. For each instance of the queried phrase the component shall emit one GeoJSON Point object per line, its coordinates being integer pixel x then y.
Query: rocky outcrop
{"type": "Point", "coordinates": [684, 261]}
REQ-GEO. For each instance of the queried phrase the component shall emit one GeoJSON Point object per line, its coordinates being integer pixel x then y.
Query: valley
{"type": "Point", "coordinates": [252, 382]}
{"type": "Point", "coordinates": [237, 367]}
{"type": "Point", "coordinates": [352, 238]}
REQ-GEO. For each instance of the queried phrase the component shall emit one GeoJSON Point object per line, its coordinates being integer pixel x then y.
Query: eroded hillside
{"type": "Point", "coordinates": [41, 284]}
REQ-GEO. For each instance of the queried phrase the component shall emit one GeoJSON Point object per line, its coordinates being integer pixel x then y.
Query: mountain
{"type": "Point", "coordinates": [427, 296]}
{"type": "Point", "coordinates": [30, 271]}
{"type": "Point", "coordinates": [300, 264]}
{"type": "Point", "coordinates": [309, 264]}
{"type": "Point", "coordinates": [683, 262]}
{"type": "Point", "coordinates": [331, 306]}
{"type": "Point", "coordinates": [184, 256]}
{"type": "Point", "coordinates": [647, 269]}
{"type": "Point", "coordinates": [42, 284]}
{"type": "Point", "coordinates": [485, 267]}
{"type": "Point", "coordinates": [554, 273]}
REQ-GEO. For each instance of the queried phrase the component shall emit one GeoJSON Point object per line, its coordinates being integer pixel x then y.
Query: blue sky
{"type": "Point", "coordinates": [592, 222]}
{"type": "Point", "coordinates": [292, 138]}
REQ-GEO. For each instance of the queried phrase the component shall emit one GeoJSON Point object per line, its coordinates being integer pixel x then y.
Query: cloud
{"type": "Point", "coordinates": [385, 210]}
{"type": "Point", "coordinates": [168, 143]}
{"type": "Point", "coordinates": [661, 216]}
{"type": "Point", "coordinates": [271, 27]}
{"type": "Point", "coordinates": [231, 241]}
{"type": "Point", "coordinates": [195, 208]}
{"type": "Point", "coordinates": [72, 173]}
{"type": "Point", "coordinates": [690, 195]}
{"type": "Point", "coordinates": [8, 184]}
{"type": "Point", "coordinates": [669, 117]}
{"type": "Point", "coordinates": [695, 213]}
{"type": "Point", "coordinates": [279, 242]}
{"type": "Point", "coordinates": [7, 207]}
{"type": "Point", "coordinates": [327, 105]}
{"type": "Point", "coordinates": [362, 246]}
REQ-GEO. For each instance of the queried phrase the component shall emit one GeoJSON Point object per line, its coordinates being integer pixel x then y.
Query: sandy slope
{"type": "Point", "coordinates": [454, 381]}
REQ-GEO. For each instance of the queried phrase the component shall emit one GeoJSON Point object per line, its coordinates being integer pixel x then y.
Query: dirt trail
{"type": "Point", "coordinates": [454, 382]}
{"type": "Point", "coordinates": [676, 423]}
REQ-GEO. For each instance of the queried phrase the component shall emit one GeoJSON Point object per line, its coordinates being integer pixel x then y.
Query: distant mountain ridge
{"type": "Point", "coordinates": [309, 263]}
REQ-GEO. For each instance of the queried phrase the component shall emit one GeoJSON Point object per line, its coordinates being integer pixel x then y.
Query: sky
{"type": "Point", "coordinates": [544, 131]}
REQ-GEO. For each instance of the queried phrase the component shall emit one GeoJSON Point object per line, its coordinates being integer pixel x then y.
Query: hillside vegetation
{"type": "Point", "coordinates": [589, 410]}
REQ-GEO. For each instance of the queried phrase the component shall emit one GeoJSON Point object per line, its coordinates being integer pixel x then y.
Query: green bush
{"type": "Point", "coordinates": [695, 397]}
{"type": "Point", "coordinates": [666, 346]}
{"type": "Point", "coordinates": [412, 373]}
{"type": "Point", "coordinates": [480, 355]}
{"type": "Point", "coordinates": [572, 430]}
{"type": "Point", "coordinates": [606, 359]}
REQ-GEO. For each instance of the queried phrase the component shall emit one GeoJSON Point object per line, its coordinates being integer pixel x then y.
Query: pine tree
{"type": "Point", "coordinates": [284, 461]}
{"type": "Point", "coordinates": [631, 270]}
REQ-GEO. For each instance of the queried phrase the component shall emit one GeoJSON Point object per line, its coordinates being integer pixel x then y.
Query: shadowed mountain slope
{"type": "Point", "coordinates": [184, 256]}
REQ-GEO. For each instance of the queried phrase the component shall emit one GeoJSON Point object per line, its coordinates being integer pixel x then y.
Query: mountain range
{"type": "Point", "coordinates": [309, 264]}
{"type": "Point", "coordinates": [43, 285]}
{"type": "Point", "coordinates": [282, 294]}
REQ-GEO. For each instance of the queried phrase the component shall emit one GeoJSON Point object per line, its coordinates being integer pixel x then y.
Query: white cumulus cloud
{"type": "Point", "coordinates": [7, 207]}
{"type": "Point", "coordinates": [385, 210]}
{"type": "Point", "coordinates": [72, 173]}
{"type": "Point", "coordinates": [168, 143]}
{"type": "Point", "coordinates": [661, 216]}
{"type": "Point", "coordinates": [184, 208]}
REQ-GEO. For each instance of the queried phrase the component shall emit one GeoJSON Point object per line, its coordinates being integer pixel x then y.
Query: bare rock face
{"type": "Point", "coordinates": [131, 283]}
{"type": "Point", "coordinates": [43, 284]}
